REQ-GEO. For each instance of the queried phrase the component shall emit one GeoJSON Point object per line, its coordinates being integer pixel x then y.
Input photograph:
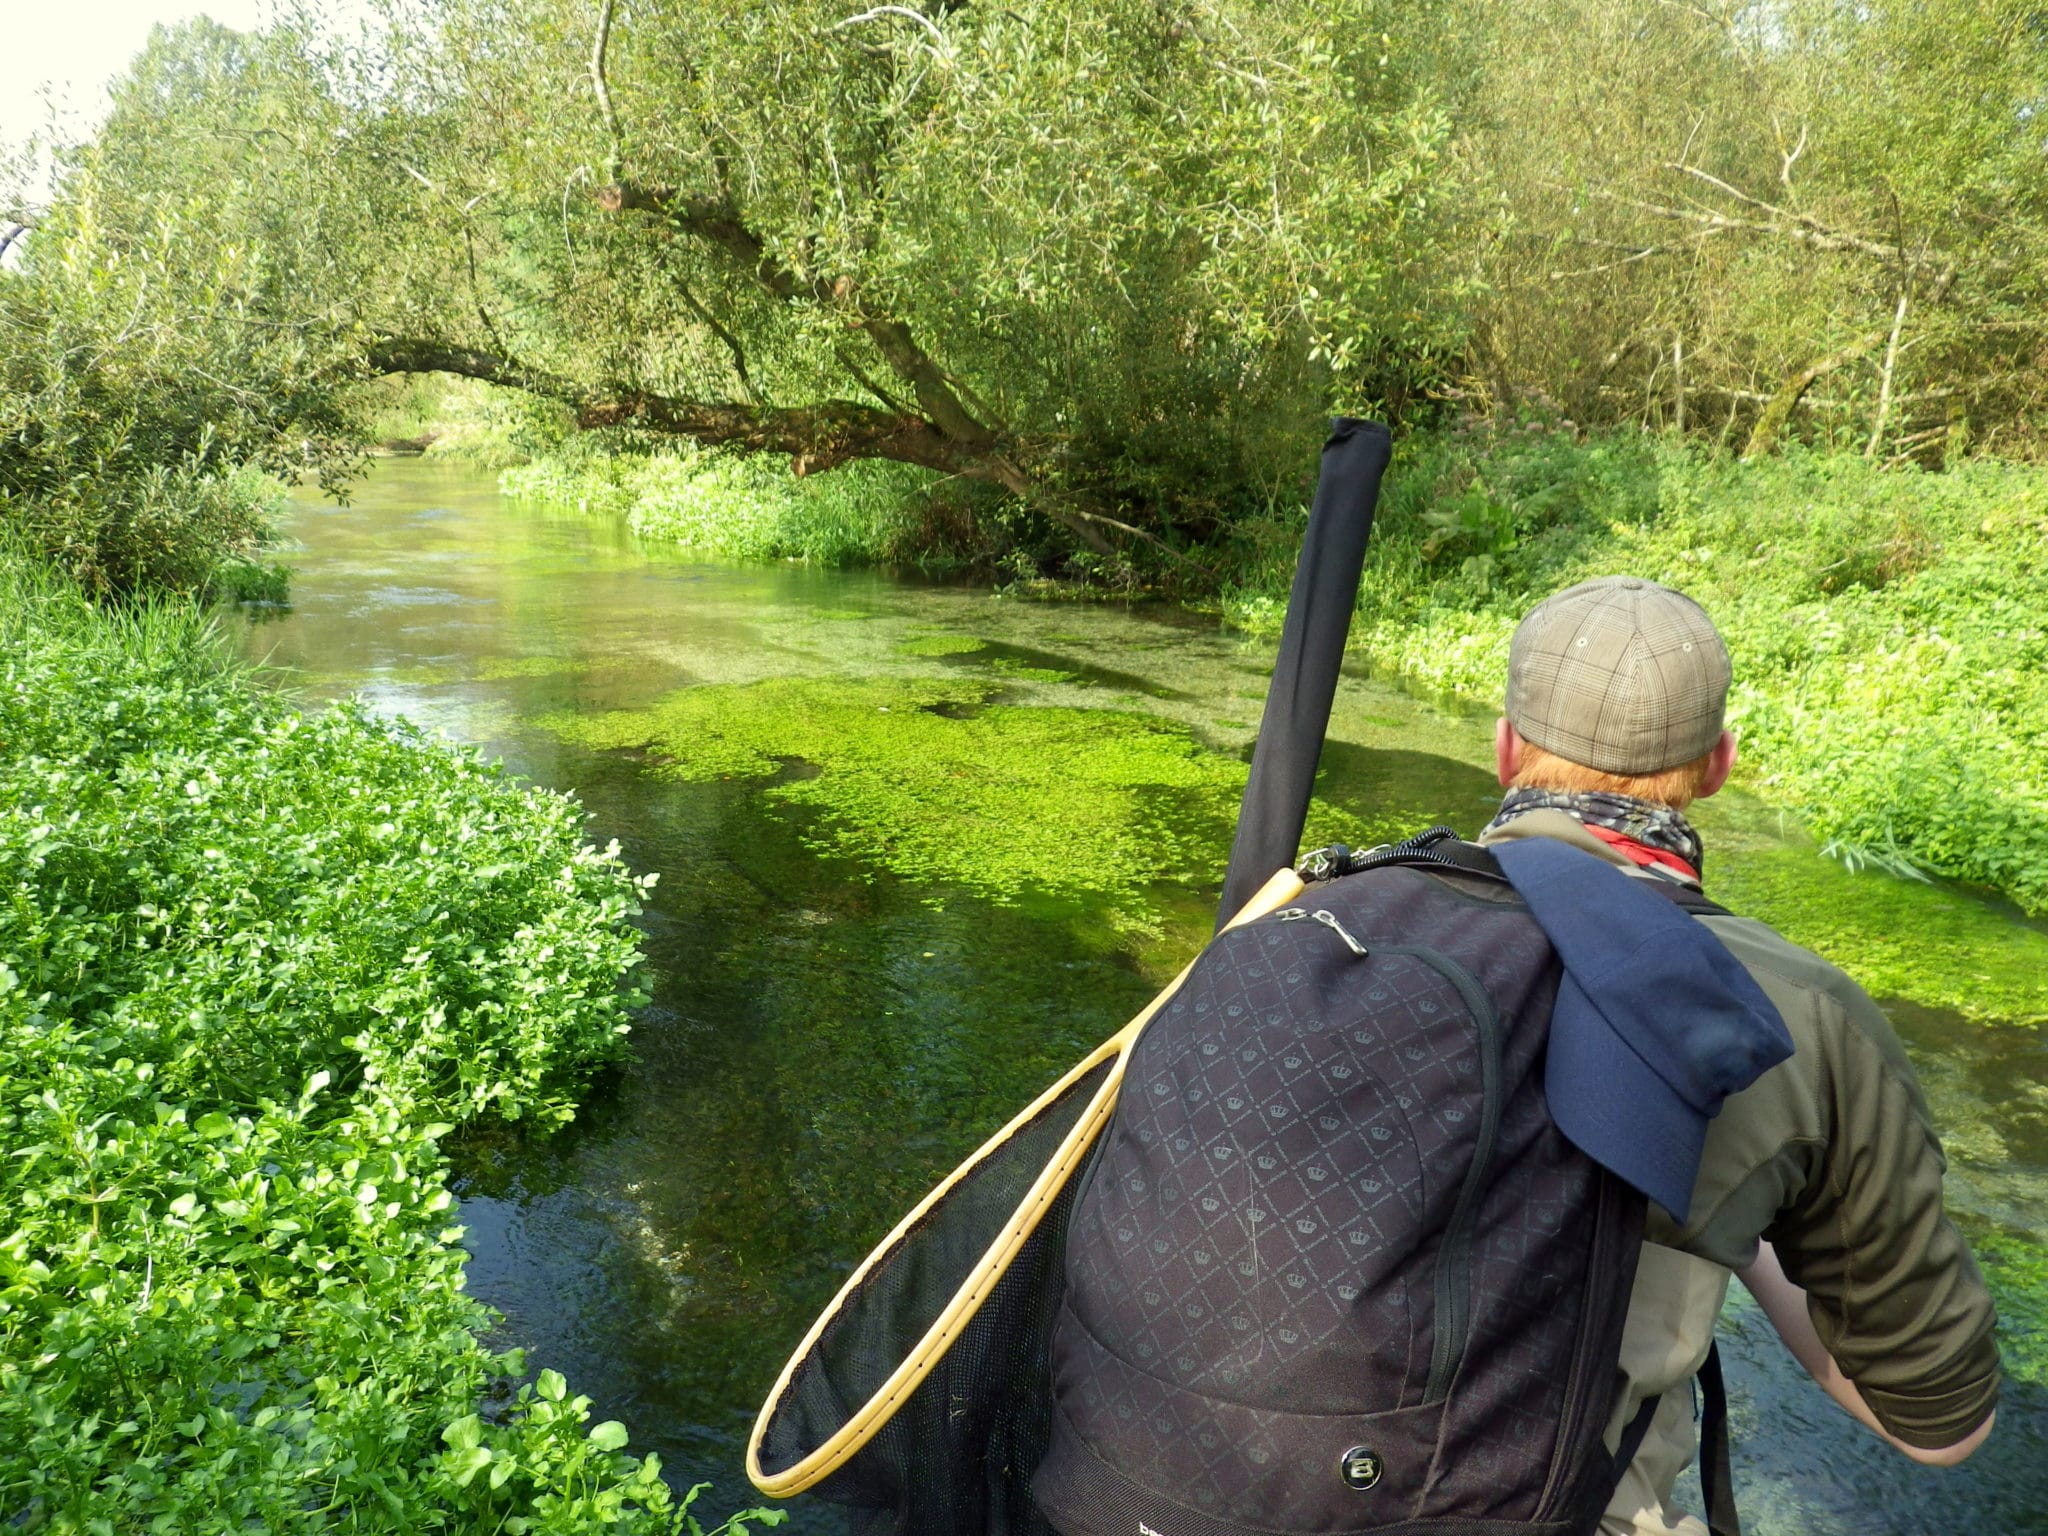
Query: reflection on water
{"type": "Point", "coordinates": [825, 1040]}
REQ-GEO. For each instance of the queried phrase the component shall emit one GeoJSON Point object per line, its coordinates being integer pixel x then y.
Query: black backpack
{"type": "Point", "coordinates": [1334, 1268]}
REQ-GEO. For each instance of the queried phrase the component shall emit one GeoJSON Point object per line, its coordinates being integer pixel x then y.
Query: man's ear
{"type": "Point", "coordinates": [1726, 751]}
{"type": "Point", "coordinates": [1507, 751]}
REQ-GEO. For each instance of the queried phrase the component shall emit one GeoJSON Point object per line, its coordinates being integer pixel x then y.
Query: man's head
{"type": "Point", "coordinates": [1617, 684]}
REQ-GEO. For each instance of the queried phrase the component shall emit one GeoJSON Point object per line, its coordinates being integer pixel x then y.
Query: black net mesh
{"type": "Point", "coordinates": [956, 1457]}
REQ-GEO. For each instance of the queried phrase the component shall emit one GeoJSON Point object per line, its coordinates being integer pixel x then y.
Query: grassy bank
{"type": "Point", "coordinates": [256, 963]}
{"type": "Point", "coordinates": [867, 513]}
{"type": "Point", "coordinates": [1889, 628]}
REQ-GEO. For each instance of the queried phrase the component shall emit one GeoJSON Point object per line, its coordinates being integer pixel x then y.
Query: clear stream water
{"type": "Point", "coordinates": [826, 1038]}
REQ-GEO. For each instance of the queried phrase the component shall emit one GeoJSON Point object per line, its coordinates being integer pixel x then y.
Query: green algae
{"type": "Point", "coordinates": [417, 675]}
{"type": "Point", "coordinates": [498, 668]}
{"type": "Point", "coordinates": [1019, 669]}
{"type": "Point", "coordinates": [941, 645]}
{"type": "Point", "coordinates": [927, 779]}
{"type": "Point", "coordinates": [1931, 945]}
{"type": "Point", "coordinates": [2017, 1270]}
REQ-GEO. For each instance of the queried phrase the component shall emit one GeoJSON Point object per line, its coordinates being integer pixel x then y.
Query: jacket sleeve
{"type": "Point", "coordinates": [1893, 1290]}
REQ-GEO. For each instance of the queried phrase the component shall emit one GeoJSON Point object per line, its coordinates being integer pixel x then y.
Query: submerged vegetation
{"type": "Point", "coordinates": [1889, 627]}
{"type": "Point", "coordinates": [933, 781]}
{"type": "Point", "coordinates": [257, 964]}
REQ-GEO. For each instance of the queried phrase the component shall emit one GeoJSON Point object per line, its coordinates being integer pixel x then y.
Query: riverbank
{"type": "Point", "coordinates": [258, 963]}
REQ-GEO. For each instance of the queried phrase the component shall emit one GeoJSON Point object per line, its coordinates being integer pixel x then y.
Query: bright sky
{"type": "Point", "coordinates": [75, 46]}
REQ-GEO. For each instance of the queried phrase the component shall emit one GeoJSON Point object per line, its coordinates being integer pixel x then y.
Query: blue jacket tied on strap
{"type": "Point", "coordinates": [1656, 1022]}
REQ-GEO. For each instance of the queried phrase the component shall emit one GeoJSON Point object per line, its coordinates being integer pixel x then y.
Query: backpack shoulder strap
{"type": "Point", "coordinates": [1717, 1482]}
{"type": "Point", "coordinates": [1441, 848]}
{"type": "Point", "coordinates": [1717, 1478]}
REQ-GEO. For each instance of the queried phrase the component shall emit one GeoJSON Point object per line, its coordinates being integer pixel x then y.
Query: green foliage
{"type": "Point", "coordinates": [157, 336]}
{"type": "Point", "coordinates": [459, 419]}
{"type": "Point", "coordinates": [753, 508]}
{"type": "Point", "coordinates": [1887, 627]}
{"type": "Point", "coordinates": [1143, 295]}
{"type": "Point", "coordinates": [256, 964]}
{"type": "Point", "coordinates": [251, 581]}
{"type": "Point", "coordinates": [930, 779]}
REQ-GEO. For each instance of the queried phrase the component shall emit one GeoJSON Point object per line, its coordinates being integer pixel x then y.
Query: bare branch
{"type": "Point", "coordinates": [400, 354]}
{"type": "Point", "coordinates": [1891, 363]}
{"type": "Point", "coordinates": [867, 383]}
{"type": "Point", "coordinates": [1802, 226]}
{"type": "Point", "coordinates": [1631, 259]}
{"type": "Point", "coordinates": [726, 337]}
{"type": "Point", "coordinates": [904, 11]}
{"type": "Point", "coordinates": [1789, 158]}
{"type": "Point", "coordinates": [817, 437]}
{"type": "Point", "coordinates": [1912, 445]}
{"type": "Point", "coordinates": [598, 84]}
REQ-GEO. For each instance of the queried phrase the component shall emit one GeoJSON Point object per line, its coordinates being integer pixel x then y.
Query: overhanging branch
{"type": "Point", "coordinates": [816, 437]}
{"type": "Point", "coordinates": [721, 227]}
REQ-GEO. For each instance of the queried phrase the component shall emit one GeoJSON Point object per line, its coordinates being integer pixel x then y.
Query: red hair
{"type": "Point", "coordinates": [1538, 768]}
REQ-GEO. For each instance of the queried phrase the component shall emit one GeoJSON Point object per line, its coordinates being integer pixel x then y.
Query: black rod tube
{"type": "Point", "coordinates": [1312, 639]}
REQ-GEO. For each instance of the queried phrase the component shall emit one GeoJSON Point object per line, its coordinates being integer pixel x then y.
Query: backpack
{"type": "Point", "coordinates": [1334, 1267]}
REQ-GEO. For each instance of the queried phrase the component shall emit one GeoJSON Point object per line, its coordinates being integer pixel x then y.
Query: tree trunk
{"type": "Point", "coordinates": [1891, 365]}
{"type": "Point", "coordinates": [1763, 437]}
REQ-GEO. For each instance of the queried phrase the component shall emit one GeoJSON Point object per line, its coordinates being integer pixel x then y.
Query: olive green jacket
{"type": "Point", "coordinates": [1832, 1158]}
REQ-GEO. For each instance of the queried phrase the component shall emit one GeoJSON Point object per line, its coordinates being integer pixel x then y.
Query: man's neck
{"type": "Point", "coordinates": [1646, 833]}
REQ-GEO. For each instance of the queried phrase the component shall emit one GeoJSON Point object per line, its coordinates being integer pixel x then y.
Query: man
{"type": "Point", "coordinates": [1820, 1184]}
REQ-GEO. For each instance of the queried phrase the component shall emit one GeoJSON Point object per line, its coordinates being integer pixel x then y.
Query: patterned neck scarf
{"type": "Point", "coordinates": [1654, 826]}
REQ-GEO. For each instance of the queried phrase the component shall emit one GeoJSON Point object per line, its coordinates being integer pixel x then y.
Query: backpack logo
{"type": "Point", "coordinates": [1146, 1530]}
{"type": "Point", "coordinates": [1360, 1467]}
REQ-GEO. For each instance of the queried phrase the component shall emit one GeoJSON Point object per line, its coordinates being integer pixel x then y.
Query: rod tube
{"type": "Point", "coordinates": [1304, 685]}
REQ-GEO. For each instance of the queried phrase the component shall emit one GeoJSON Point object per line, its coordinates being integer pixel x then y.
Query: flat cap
{"type": "Point", "coordinates": [1619, 674]}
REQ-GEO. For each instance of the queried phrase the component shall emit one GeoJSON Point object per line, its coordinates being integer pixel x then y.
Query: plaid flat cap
{"type": "Point", "coordinates": [1618, 674]}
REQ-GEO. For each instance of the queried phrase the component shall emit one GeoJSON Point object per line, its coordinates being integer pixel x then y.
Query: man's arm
{"type": "Point", "coordinates": [1892, 1291]}
{"type": "Point", "coordinates": [1785, 1305]}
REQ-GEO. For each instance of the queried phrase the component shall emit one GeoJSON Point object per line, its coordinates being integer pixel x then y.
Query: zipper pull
{"type": "Point", "coordinates": [1329, 921]}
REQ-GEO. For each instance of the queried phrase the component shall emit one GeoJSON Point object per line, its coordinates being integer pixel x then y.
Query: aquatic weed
{"type": "Point", "coordinates": [930, 780]}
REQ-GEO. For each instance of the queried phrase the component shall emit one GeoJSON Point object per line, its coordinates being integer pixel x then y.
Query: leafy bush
{"type": "Point", "coordinates": [752, 508]}
{"type": "Point", "coordinates": [255, 964]}
{"type": "Point", "coordinates": [1889, 629]}
{"type": "Point", "coordinates": [186, 528]}
{"type": "Point", "coordinates": [151, 377]}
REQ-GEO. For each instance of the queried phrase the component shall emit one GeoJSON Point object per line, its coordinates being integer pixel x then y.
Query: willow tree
{"type": "Point", "coordinates": [1114, 256]}
{"type": "Point", "coordinates": [1709, 209]}
{"type": "Point", "coordinates": [171, 313]}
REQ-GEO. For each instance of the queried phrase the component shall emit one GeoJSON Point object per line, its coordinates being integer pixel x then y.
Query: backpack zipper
{"type": "Point", "coordinates": [1453, 1314]}
{"type": "Point", "coordinates": [1590, 1360]}
{"type": "Point", "coordinates": [1453, 1288]}
{"type": "Point", "coordinates": [1328, 920]}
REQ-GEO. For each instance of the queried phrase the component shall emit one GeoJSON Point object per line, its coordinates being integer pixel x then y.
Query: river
{"type": "Point", "coordinates": [843, 1006]}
